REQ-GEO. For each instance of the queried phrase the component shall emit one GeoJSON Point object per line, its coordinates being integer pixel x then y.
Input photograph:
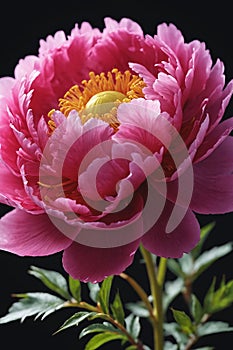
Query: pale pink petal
{"type": "Point", "coordinates": [90, 264]}
{"type": "Point", "coordinates": [70, 136]}
{"type": "Point", "coordinates": [30, 235]}
{"type": "Point", "coordinates": [85, 28]}
{"type": "Point", "coordinates": [170, 35]}
{"type": "Point", "coordinates": [126, 24]}
{"type": "Point", "coordinates": [148, 78]}
{"type": "Point", "coordinates": [52, 42]}
{"type": "Point", "coordinates": [172, 245]}
{"type": "Point", "coordinates": [6, 83]}
{"type": "Point", "coordinates": [11, 187]}
{"type": "Point", "coordinates": [142, 122]}
{"type": "Point", "coordinates": [25, 66]}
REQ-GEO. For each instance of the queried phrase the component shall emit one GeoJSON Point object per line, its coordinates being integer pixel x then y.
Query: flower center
{"type": "Point", "coordinates": [103, 101]}
{"type": "Point", "coordinates": [100, 96]}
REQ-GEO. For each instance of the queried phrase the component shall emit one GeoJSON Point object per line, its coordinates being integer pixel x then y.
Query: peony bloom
{"type": "Point", "coordinates": [111, 139]}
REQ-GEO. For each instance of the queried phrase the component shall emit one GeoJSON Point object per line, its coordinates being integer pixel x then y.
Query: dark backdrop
{"type": "Point", "coordinates": [24, 25]}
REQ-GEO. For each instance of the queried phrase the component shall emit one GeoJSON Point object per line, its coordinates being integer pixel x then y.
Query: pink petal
{"type": "Point", "coordinates": [6, 84]}
{"type": "Point", "coordinates": [218, 98]}
{"type": "Point", "coordinates": [172, 245]}
{"type": "Point", "coordinates": [148, 78]}
{"type": "Point", "coordinates": [171, 35]}
{"type": "Point", "coordinates": [142, 122]}
{"type": "Point", "coordinates": [126, 24]}
{"type": "Point", "coordinates": [90, 264]}
{"type": "Point", "coordinates": [214, 139]}
{"type": "Point", "coordinates": [11, 186]}
{"type": "Point", "coordinates": [25, 66]}
{"type": "Point", "coordinates": [52, 43]}
{"type": "Point", "coordinates": [213, 181]}
{"type": "Point", "coordinates": [70, 136]}
{"type": "Point", "coordinates": [25, 234]}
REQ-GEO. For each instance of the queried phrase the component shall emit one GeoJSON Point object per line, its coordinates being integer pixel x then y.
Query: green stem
{"type": "Point", "coordinates": [97, 309]}
{"type": "Point", "coordinates": [156, 280]}
{"type": "Point", "coordinates": [162, 271]}
{"type": "Point", "coordinates": [82, 305]}
{"type": "Point", "coordinates": [140, 291]}
{"type": "Point", "coordinates": [123, 329]}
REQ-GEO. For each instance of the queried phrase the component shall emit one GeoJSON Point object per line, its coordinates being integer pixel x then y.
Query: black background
{"type": "Point", "coordinates": [20, 31]}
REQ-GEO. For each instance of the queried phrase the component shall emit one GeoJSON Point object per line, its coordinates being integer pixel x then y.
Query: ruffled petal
{"type": "Point", "coordinates": [213, 181]}
{"type": "Point", "coordinates": [142, 122]}
{"type": "Point", "coordinates": [30, 235]}
{"type": "Point", "coordinates": [126, 24]}
{"type": "Point", "coordinates": [90, 264]}
{"type": "Point", "coordinates": [172, 245]}
{"type": "Point", "coordinates": [214, 139]}
{"type": "Point", "coordinates": [11, 186]}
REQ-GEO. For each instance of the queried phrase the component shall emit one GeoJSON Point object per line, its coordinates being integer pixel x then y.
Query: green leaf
{"type": "Point", "coordinates": [98, 328]}
{"type": "Point", "coordinates": [196, 309]}
{"type": "Point", "coordinates": [209, 296]}
{"type": "Point", "coordinates": [133, 325]}
{"type": "Point", "coordinates": [30, 304]}
{"type": "Point", "coordinates": [101, 339]}
{"type": "Point", "coordinates": [94, 289]}
{"type": "Point", "coordinates": [216, 300]}
{"type": "Point", "coordinates": [173, 329]}
{"type": "Point", "coordinates": [51, 279]}
{"type": "Point", "coordinates": [186, 263]}
{"type": "Point", "coordinates": [170, 346]}
{"type": "Point", "coordinates": [117, 309]}
{"type": "Point", "coordinates": [104, 294]}
{"type": "Point", "coordinates": [75, 288]}
{"type": "Point", "coordinates": [138, 308]}
{"type": "Point", "coordinates": [75, 320]}
{"type": "Point", "coordinates": [207, 258]}
{"type": "Point", "coordinates": [184, 321]}
{"type": "Point", "coordinates": [175, 267]}
{"type": "Point", "coordinates": [205, 230]}
{"type": "Point", "coordinates": [101, 315]}
{"type": "Point", "coordinates": [171, 290]}
{"type": "Point", "coordinates": [132, 347]}
{"type": "Point", "coordinates": [214, 327]}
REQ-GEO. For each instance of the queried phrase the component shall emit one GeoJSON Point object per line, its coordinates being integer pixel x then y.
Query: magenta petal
{"type": "Point", "coordinates": [213, 181]}
{"type": "Point", "coordinates": [10, 187]}
{"type": "Point", "coordinates": [90, 264]}
{"type": "Point", "coordinates": [172, 245]}
{"type": "Point", "coordinates": [25, 234]}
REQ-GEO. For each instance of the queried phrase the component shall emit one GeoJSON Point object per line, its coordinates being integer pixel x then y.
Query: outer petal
{"type": "Point", "coordinates": [213, 181]}
{"type": "Point", "coordinates": [170, 35]}
{"type": "Point", "coordinates": [90, 264]}
{"type": "Point", "coordinates": [30, 235]}
{"type": "Point", "coordinates": [25, 66]}
{"type": "Point", "coordinates": [122, 42]}
{"type": "Point", "coordinates": [8, 185]}
{"type": "Point", "coordinates": [174, 244]}
{"type": "Point", "coordinates": [214, 139]}
{"type": "Point", "coordinates": [127, 24]}
{"type": "Point", "coordinates": [6, 84]}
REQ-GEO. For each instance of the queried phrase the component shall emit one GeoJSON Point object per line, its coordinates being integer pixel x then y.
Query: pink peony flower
{"type": "Point", "coordinates": [111, 139]}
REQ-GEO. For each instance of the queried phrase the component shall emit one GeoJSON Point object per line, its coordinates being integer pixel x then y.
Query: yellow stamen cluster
{"type": "Point", "coordinates": [100, 96]}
